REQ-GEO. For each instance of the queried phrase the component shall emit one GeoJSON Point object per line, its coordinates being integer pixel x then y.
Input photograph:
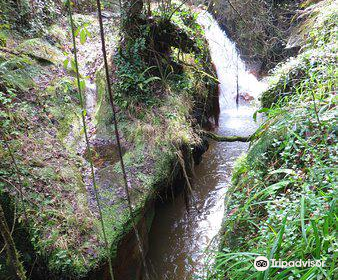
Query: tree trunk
{"type": "Point", "coordinates": [12, 253]}
{"type": "Point", "coordinates": [131, 19]}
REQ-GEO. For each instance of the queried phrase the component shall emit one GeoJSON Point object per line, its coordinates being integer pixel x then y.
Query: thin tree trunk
{"type": "Point", "coordinates": [134, 8]}
{"type": "Point", "coordinates": [12, 253]}
{"type": "Point", "coordinates": [149, 8]}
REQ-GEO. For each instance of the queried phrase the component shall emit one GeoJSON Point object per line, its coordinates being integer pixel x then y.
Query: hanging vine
{"type": "Point", "coordinates": [83, 114]}
{"type": "Point", "coordinates": [117, 136]}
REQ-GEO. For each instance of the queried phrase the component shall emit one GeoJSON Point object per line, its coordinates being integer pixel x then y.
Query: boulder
{"type": "Point", "coordinates": [41, 50]}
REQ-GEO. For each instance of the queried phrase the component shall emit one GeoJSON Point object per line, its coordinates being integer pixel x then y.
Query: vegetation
{"type": "Point", "coordinates": [53, 140]}
{"type": "Point", "coordinates": [41, 123]}
{"type": "Point", "coordinates": [283, 199]}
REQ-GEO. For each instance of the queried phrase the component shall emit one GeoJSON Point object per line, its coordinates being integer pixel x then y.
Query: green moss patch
{"type": "Point", "coordinates": [41, 50]}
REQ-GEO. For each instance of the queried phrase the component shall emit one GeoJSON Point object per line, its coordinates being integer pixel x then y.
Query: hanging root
{"type": "Point", "coordinates": [188, 192]}
{"type": "Point", "coordinates": [180, 158]}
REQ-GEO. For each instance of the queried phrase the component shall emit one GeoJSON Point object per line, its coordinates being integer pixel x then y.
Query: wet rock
{"type": "Point", "coordinates": [103, 153]}
{"type": "Point", "coordinates": [246, 97]}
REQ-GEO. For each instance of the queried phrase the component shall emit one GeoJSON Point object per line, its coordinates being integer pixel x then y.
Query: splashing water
{"type": "Point", "coordinates": [231, 70]}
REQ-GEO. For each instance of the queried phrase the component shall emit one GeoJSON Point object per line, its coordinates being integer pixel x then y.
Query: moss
{"type": "Point", "coordinates": [57, 35]}
{"type": "Point", "coordinates": [64, 229]}
{"type": "Point", "coordinates": [41, 50]}
{"type": "Point", "coordinates": [53, 183]}
{"type": "Point", "coordinates": [103, 114]}
{"type": "Point", "coordinates": [17, 71]}
{"type": "Point", "coordinates": [3, 38]}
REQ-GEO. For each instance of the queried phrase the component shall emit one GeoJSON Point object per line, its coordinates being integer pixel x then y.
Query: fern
{"type": "Point", "coordinates": [16, 72]}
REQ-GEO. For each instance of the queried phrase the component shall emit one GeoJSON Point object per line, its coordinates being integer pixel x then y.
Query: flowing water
{"type": "Point", "coordinates": [178, 239]}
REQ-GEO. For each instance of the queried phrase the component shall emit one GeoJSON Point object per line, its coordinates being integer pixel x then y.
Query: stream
{"type": "Point", "coordinates": [180, 240]}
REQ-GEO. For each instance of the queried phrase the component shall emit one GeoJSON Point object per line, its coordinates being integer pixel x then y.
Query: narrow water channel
{"type": "Point", "coordinates": [179, 239]}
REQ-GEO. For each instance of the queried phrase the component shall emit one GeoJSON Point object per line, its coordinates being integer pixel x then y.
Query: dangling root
{"type": "Point", "coordinates": [182, 163]}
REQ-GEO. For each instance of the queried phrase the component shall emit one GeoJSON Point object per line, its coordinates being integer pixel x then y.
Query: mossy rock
{"type": "Point", "coordinates": [41, 50]}
{"type": "Point", "coordinates": [57, 35]}
{"type": "Point", "coordinates": [17, 71]}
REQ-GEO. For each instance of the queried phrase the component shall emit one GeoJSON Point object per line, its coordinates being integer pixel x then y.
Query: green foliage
{"type": "Point", "coordinates": [324, 24]}
{"type": "Point", "coordinates": [283, 200]}
{"type": "Point", "coordinates": [140, 66]}
{"type": "Point", "coordinates": [135, 78]}
{"type": "Point", "coordinates": [293, 180]}
{"type": "Point", "coordinates": [4, 29]}
{"type": "Point", "coordinates": [6, 103]}
{"type": "Point", "coordinates": [44, 13]}
{"type": "Point", "coordinates": [30, 17]}
{"type": "Point", "coordinates": [138, 80]}
{"type": "Point", "coordinates": [315, 67]}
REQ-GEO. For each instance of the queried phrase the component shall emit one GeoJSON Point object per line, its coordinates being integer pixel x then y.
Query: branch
{"type": "Point", "coordinates": [199, 71]}
{"type": "Point", "coordinates": [220, 138]}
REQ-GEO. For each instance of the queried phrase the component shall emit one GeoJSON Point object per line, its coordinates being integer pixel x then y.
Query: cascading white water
{"type": "Point", "coordinates": [231, 70]}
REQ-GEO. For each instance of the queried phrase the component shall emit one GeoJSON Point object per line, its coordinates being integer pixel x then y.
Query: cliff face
{"type": "Point", "coordinates": [159, 107]}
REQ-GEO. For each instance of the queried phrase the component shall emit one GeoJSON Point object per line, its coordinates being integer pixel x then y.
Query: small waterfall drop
{"type": "Point", "coordinates": [230, 68]}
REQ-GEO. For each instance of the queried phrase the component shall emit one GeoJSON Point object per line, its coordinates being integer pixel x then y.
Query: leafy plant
{"type": "Point", "coordinates": [138, 81]}
{"type": "Point", "coordinates": [135, 78]}
{"type": "Point", "coordinates": [283, 200]}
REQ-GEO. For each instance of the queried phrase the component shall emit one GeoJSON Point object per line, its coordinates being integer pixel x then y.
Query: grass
{"type": "Point", "coordinates": [283, 200]}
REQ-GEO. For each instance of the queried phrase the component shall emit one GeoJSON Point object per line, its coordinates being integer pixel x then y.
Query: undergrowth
{"type": "Point", "coordinates": [283, 199]}
{"type": "Point", "coordinates": [155, 96]}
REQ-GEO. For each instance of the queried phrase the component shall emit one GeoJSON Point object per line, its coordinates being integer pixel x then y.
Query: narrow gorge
{"type": "Point", "coordinates": [168, 140]}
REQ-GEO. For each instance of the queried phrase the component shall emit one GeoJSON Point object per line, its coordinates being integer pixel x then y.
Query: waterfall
{"type": "Point", "coordinates": [230, 68]}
